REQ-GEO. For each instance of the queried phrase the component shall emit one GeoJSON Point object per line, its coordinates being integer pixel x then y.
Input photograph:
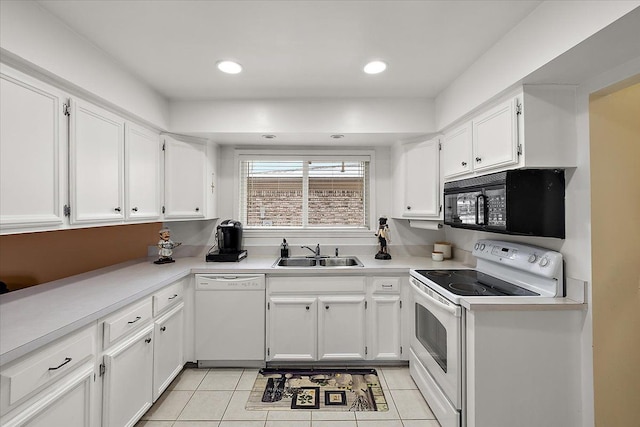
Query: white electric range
{"type": "Point", "coordinates": [437, 357]}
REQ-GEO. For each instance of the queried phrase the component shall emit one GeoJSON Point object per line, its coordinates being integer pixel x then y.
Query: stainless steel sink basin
{"type": "Point", "coordinates": [296, 262]}
{"type": "Point", "coordinates": [348, 261]}
{"type": "Point", "coordinates": [340, 262]}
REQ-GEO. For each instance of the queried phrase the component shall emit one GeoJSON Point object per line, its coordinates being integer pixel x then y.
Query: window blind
{"type": "Point", "coordinates": [304, 193]}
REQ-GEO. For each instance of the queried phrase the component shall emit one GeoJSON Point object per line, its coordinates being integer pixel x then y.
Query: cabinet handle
{"type": "Point", "coordinates": [164, 328]}
{"type": "Point", "coordinates": [66, 360]}
{"type": "Point", "coordinates": [134, 209]}
{"type": "Point", "coordinates": [326, 307]}
{"type": "Point", "coordinates": [148, 340]}
{"type": "Point", "coordinates": [478, 159]}
{"type": "Point", "coordinates": [172, 297]}
{"type": "Point", "coordinates": [464, 163]}
{"type": "Point", "coordinates": [307, 308]}
{"type": "Point", "coordinates": [117, 209]}
{"type": "Point", "coordinates": [197, 209]}
{"type": "Point", "coordinates": [134, 321]}
{"type": "Point", "coordinates": [408, 208]}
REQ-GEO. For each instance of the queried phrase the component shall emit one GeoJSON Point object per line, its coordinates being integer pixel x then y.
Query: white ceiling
{"type": "Point", "coordinates": [291, 49]}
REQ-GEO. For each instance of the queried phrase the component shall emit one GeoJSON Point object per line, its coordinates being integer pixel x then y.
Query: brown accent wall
{"type": "Point", "coordinates": [615, 242]}
{"type": "Point", "coordinates": [35, 258]}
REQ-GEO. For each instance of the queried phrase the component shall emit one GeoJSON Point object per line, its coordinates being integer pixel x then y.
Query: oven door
{"type": "Point", "coordinates": [437, 340]}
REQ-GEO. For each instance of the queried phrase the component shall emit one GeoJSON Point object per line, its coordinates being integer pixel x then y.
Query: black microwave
{"type": "Point", "coordinates": [527, 202]}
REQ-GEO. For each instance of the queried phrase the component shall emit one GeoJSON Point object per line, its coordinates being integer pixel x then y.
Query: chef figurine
{"type": "Point", "coordinates": [165, 247]}
{"type": "Point", "coordinates": [383, 238]}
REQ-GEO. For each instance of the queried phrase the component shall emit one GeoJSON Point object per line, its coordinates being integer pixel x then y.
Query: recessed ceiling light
{"type": "Point", "coordinates": [269, 136]}
{"type": "Point", "coordinates": [375, 67]}
{"type": "Point", "coordinates": [337, 136]}
{"type": "Point", "coordinates": [229, 67]}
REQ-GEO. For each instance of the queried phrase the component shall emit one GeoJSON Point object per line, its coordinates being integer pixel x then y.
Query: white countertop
{"type": "Point", "coordinates": [36, 316]}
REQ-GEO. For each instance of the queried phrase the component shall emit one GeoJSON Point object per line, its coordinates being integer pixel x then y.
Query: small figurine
{"type": "Point", "coordinates": [165, 247]}
{"type": "Point", "coordinates": [383, 238]}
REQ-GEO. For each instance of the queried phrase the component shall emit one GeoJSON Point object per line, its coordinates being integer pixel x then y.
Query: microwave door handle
{"type": "Point", "coordinates": [482, 206]}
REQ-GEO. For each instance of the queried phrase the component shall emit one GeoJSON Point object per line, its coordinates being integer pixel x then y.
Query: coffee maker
{"type": "Point", "coordinates": [229, 242]}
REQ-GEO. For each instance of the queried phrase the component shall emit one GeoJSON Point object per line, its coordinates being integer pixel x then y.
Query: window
{"type": "Point", "coordinates": [304, 191]}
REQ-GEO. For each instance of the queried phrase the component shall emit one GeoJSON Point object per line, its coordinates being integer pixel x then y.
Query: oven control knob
{"type": "Point", "coordinates": [482, 246]}
{"type": "Point", "coordinates": [533, 258]}
{"type": "Point", "coordinates": [476, 246]}
{"type": "Point", "coordinates": [544, 262]}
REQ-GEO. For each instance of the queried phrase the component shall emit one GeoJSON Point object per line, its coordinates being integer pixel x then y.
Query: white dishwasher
{"type": "Point", "coordinates": [230, 320]}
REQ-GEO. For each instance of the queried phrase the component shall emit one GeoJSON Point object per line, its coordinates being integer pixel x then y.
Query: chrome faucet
{"type": "Point", "coordinates": [316, 251]}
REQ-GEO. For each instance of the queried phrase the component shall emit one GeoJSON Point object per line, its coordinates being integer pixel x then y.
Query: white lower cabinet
{"type": "Point", "coordinates": [168, 349]}
{"type": "Point", "coordinates": [385, 323]}
{"type": "Point", "coordinates": [292, 328]}
{"type": "Point", "coordinates": [128, 377]}
{"type": "Point", "coordinates": [68, 403]}
{"type": "Point", "coordinates": [341, 328]}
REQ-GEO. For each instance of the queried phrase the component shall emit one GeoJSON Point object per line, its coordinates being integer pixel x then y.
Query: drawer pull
{"type": "Point", "coordinates": [66, 360]}
{"type": "Point", "coordinates": [173, 297]}
{"type": "Point", "coordinates": [148, 340]}
{"type": "Point", "coordinates": [387, 286]}
{"type": "Point", "coordinates": [134, 321]}
{"type": "Point", "coordinates": [164, 328]}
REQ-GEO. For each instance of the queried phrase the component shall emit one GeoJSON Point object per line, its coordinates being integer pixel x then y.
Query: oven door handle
{"type": "Point", "coordinates": [454, 310]}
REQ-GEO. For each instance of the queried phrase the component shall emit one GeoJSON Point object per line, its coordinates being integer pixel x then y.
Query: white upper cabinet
{"type": "Point", "coordinates": [533, 128]}
{"type": "Point", "coordinates": [142, 173]}
{"type": "Point", "coordinates": [185, 177]}
{"type": "Point", "coordinates": [96, 164]}
{"type": "Point", "coordinates": [421, 179]}
{"type": "Point", "coordinates": [33, 135]}
{"type": "Point", "coordinates": [495, 137]}
{"type": "Point", "coordinates": [456, 151]}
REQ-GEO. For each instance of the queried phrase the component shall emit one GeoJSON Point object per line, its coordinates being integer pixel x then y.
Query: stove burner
{"type": "Point", "coordinates": [468, 288]}
{"type": "Point", "coordinates": [439, 273]}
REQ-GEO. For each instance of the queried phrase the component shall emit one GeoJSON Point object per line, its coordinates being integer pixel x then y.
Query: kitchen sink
{"type": "Point", "coordinates": [348, 261]}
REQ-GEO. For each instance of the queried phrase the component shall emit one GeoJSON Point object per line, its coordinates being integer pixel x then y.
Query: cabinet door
{"type": "Point", "coordinates": [456, 152]}
{"type": "Point", "coordinates": [32, 142]}
{"type": "Point", "coordinates": [127, 392]}
{"type": "Point", "coordinates": [341, 328]}
{"type": "Point", "coordinates": [185, 178]}
{"type": "Point", "coordinates": [292, 326]}
{"type": "Point", "coordinates": [422, 179]}
{"type": "Point", "coordinates": [96, 164]}
{"type": "Point", "coordinates": [495, 137]}
{"type": "Point", "coordinates": [168, 349]}
{"type": "Point", "coordinates": [68, 404]}
{"type": "Point", "coordinates": [385, 324]}
{"type": "Point", "coordinates": [142, 173]}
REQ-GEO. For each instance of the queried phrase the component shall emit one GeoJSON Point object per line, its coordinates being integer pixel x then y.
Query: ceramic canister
{"type": "Point", "coordinates": [444, 247]}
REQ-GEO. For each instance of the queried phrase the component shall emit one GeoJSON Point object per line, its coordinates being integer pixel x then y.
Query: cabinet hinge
{"type": "Point", "coordinates": [439, 146]}
{"type": "Point", "coordinates": [66, 210]}
{"type": "Point", "coordinates": [519, 149]}
{"type": "Point", "coordinates": [163, 145]}
{"type": "Point", "coordinates": [400, 349]}
{"type": "Point", "coordinates": [103, 369]}
{"type": "Point", "coordinates": [365, 305]}
{"type": "Point", "coordinates": [163, 209]}
{"type": "Point", "coordinates": [268, 306]}
{"type": "Point", "coordinates": [366, 350]}
{"type": "Point", "coordinates": [518, 109]}
{"type": "Point", "coordinates": [401, 304]}
{"type": "Point", "coordinates": [65, 110]}
{"type": "Point", "coordinates": [440, 209]}
{"type": "Point", "coordinates": [268, 351]}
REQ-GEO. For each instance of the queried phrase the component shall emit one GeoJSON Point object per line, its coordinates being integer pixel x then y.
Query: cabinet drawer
{"type": "Point", "coordinates": [126, 320]}
{"type": "Point", "coordinates": [167, 297]}
{"type": "Point", "coordinates": [386, 285]}
{"type": "Point", "coordinates": [45, 366]}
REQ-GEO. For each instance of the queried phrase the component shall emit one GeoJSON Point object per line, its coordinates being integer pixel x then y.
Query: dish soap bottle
{"type": "Point", "coordinates": [284, 249]}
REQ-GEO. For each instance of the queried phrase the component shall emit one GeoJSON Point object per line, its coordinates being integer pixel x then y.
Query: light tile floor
{"type": "Point", "coordinates": [217, 397]}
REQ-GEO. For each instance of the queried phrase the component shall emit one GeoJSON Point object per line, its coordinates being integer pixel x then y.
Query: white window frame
{"type": "Point", "coordinates": [306, 154]}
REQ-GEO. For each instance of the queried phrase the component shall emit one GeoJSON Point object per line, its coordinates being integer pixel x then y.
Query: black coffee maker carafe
{"type": "Point", "coordinates": [229, 234]}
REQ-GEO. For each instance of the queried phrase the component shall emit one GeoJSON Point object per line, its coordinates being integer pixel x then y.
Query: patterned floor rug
{"type": "Point", "coordinates": [317, 389]}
